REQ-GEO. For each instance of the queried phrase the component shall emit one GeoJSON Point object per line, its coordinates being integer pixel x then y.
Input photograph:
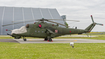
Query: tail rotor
{"type": "Point", "coordinates": [94, 22]}
{"type": "Point", "coordinates": [90, 27]}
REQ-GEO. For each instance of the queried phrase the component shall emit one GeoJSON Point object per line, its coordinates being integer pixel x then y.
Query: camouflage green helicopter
{"type": "Point", "coordinates": [46, 30]}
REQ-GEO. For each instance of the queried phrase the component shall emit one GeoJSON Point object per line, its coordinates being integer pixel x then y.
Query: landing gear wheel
{"type": "Point", "coordinates": [50, 40]}
{"type": "Point", "coordinates": [25, 39]}
{"type": "Point", "coordinates": [45, 39]}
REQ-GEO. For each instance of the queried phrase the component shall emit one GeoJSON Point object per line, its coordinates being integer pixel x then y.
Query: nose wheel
{"type": "Point", "coordinates": [46, 39]}
{"type": "Point", "coordinates": [24, 39]}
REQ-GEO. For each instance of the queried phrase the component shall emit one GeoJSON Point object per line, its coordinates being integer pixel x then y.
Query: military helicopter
{"type": "Point", "coordinates": [46, 30]}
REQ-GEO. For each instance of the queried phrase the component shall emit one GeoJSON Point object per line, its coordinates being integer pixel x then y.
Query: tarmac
{"type": "Point", "coordinates": [54, 41]}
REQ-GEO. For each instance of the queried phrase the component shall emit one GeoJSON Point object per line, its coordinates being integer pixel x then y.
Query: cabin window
{"type": "Point", "coordinates": [38, 31]}
{"type": "Point", "coordinates": [42, 31]}
{"type": "Point", "coordinates": [35, 31]}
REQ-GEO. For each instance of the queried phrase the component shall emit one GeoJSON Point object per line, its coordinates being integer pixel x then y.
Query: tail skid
{"type": "Point", "coordinates": [90, 27]}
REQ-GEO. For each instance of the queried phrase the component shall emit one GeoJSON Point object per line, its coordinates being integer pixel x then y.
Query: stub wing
{"type": "Point", "coordinates": [50, 31]}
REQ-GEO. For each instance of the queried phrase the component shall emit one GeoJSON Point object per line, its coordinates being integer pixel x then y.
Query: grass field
{"type": "Point", "coordinates": [52, 51]}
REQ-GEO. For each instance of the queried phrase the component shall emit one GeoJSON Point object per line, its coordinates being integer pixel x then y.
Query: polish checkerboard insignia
{"type": "Point", "coordinates": [56, 31]}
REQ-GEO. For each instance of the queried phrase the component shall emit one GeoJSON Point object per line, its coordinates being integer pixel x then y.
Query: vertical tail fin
{"type": "Point", "coordinates": [90, 27]}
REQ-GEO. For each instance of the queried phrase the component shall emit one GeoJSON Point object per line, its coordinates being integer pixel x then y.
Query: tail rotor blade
{"type": "Point", "coordinates": [92, 18]}
{"type": "Point", "coordinates": [99, 24]}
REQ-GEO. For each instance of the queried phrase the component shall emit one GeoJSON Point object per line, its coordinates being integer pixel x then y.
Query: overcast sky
{"type": "Point", "coordinates": [73, 9]}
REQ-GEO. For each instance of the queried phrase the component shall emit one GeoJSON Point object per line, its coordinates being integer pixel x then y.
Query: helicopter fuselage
{"type": "Point", "coordinates": [48, 30]}
{"type": "Point", "coordinates": [42, 30]}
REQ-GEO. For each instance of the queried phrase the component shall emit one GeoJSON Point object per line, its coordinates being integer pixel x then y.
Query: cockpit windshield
{"type": "Point", "coordinates": [19, 31]}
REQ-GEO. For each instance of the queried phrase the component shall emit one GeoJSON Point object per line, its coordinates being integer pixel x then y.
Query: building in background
{"type": "Point", "coordinates": [10, 14]}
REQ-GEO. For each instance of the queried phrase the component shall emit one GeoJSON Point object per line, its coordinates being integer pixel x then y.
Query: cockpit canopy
{"type": "Point", "coordinates": [19, 31]}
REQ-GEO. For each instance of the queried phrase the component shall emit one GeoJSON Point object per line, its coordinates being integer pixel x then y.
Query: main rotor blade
{"type": "Point", "coordinates": [12, 24]}
{"type": "Point", "coordinates": [56, 23]}
{"type": "Point", "coordinates": [66, 20]}
{"type": "Point", "coordinates": [73, 20]}
{"type": "Point", "coordinates": [34, 20]}
{"type": "Point", "coordinates": [43, 20]}
{"type": "Point", "coordinates": [24, 21]}
{"type": "Point", "coordinates": [52, 22]}
{"type": "Point", "coordinates": [15, 23]}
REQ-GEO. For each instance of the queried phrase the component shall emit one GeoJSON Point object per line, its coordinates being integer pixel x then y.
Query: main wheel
{"type": "Point", "coordinates": [50, 39]}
